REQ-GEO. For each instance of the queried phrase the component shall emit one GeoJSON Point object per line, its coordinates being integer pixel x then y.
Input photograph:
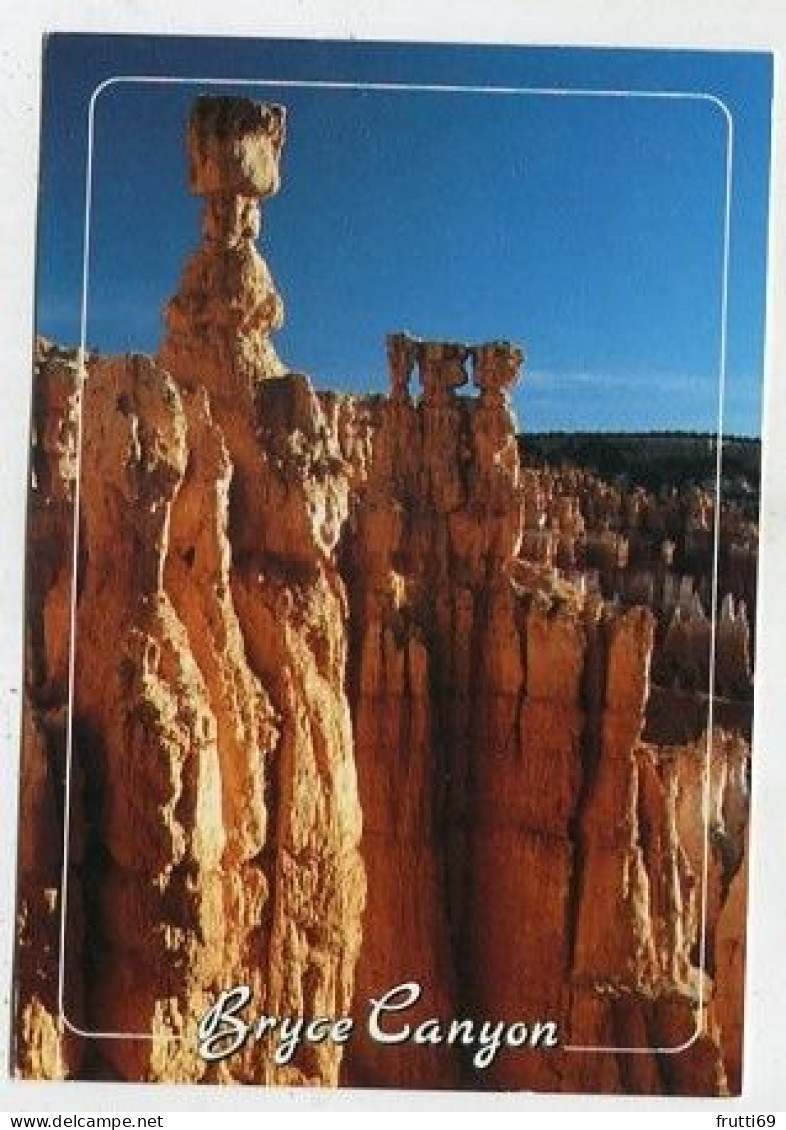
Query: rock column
{"type": "Point", "coordinates": [219, 322]}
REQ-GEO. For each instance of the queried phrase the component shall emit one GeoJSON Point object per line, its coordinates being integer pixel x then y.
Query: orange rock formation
{"type": "Point", "coordinates": [326, 659]}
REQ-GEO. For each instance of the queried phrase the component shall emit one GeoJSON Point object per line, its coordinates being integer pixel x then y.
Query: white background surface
{"type": "Point", "coordinates": [633, 23]}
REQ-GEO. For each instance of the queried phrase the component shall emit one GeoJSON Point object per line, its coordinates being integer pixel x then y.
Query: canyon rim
{"type": "Point", "coordinates": [332, 691]}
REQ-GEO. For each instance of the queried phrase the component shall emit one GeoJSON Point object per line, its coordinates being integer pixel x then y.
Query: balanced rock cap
{"type": "Point", "coordinates": [234, 145]}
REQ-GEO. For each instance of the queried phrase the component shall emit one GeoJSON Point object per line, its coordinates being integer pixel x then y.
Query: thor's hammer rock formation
{"type": "Point", "coordinates": [215, 822]}
{"type": "Point", "coordinates": [219, 322]}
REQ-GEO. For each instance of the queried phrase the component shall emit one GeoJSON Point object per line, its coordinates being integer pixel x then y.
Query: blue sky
{"type": "Point", "coordinates": [589, 229]}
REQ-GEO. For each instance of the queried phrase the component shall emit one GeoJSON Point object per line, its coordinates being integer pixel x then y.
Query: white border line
{"type": "Point", "coordinates": [662, 95]}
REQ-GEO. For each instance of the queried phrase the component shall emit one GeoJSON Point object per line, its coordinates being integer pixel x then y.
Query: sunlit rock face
{"type": "Point", "coordinates": [341, 719]}
{"type": "Point", "coordinates": [219, 322]}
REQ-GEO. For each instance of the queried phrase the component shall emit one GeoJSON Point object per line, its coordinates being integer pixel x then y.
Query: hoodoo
{"type": "Point", "coordinates": [219, 322]}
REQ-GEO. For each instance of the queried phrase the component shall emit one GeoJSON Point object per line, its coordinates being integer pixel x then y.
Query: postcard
{"type": "Point", "coordinates": [392, 565]}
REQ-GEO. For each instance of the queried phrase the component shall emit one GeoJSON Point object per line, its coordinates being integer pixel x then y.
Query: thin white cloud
{"type": "Point", "coordinates": [544, 380]}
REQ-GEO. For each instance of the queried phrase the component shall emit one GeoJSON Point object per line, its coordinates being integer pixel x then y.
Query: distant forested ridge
{"type": "Point", "coordinates": [651, 459]}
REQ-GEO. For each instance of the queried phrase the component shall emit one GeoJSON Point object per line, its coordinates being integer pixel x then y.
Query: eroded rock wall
{"type": "Point", "coordinates": [499, 717]}
{"type": "Point", "coordinates": [44, 1046]}
{"type": "Point", "coordinates": [212, 773]}
{"type": "Point", "coordinates": [528, 855]}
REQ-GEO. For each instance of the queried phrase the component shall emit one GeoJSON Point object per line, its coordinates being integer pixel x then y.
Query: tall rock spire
{"type": "Point", "coordinates": [218, 325]}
